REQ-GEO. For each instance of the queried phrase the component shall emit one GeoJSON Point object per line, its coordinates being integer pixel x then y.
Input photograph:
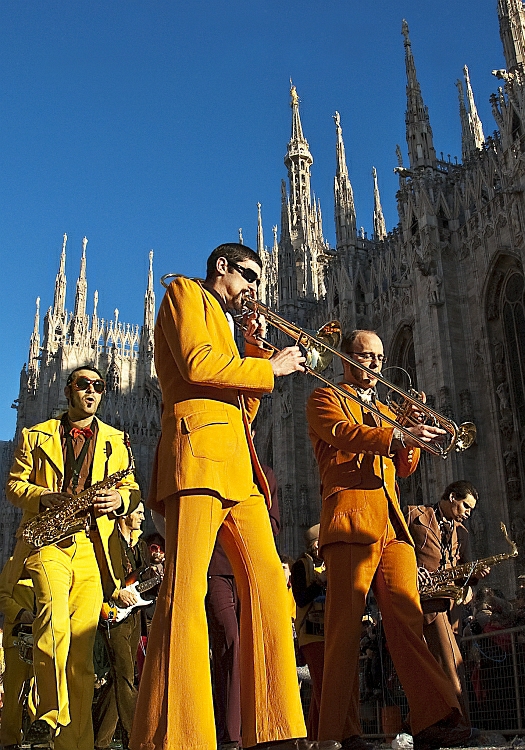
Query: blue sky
{"type": "Point", "coordinates": [153, 124]}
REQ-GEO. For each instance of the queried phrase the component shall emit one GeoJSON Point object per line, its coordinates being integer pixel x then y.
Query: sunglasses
{"type": "Point", "coordinates": [82, 384]}
{"type": "Point", "coordinates": [247, 273]}
{"type": "Point", "coordinates": [155, 548]}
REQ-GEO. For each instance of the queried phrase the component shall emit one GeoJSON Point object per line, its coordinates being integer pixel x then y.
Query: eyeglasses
{"type": "Point", "coordinates": [155, 548]}
{"type": "Point", "coordinates": [82, 384]}
{"type": "Point", "coordinates": [247, 273]}
{"type": "Point", "coordinates": [369, 356]}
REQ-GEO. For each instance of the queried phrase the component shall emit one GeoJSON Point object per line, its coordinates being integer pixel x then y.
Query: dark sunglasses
{"type": "Point", "coordinates": [82, 384]}
{"type": "Point", "coordinates": [155, 548]}
{"type": "Point", "coordinates": [247, 273]}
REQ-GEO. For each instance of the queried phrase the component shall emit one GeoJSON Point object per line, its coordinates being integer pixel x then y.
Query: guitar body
{"type": "Point", "coordinates": [112, 614]}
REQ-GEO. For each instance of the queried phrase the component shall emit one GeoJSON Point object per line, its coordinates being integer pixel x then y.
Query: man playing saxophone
{"type": "Point", "coordinates": [54, 462]}
{"type": "Point", "coordinates": [441, 542]}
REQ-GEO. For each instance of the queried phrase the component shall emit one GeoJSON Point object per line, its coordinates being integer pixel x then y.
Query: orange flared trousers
{"type": "Point", "coordinates": [389, 567]}
{"type": "Point", "coordinates": [175, 708]}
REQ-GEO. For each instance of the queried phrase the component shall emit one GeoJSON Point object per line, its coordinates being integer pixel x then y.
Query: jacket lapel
{"type": "Point", "coordinates": [51, 444]}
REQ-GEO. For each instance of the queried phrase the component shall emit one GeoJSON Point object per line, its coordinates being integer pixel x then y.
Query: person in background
{"type": "Point", "coordinates": [118, 696]}
{"type": "Point", "coordinates": [308, 579]}
{"type": "Point", "coordinates": [17, 603]}
{"type": "Point", "coordinates": [441, 542]}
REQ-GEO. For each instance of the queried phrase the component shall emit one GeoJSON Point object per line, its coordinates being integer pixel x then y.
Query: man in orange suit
{"type": "Point", "coordinates": [365, 543]}
{"type": "Point", "coordinates": [207, 481]}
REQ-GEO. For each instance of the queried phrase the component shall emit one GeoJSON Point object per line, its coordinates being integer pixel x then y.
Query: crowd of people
{"type": "Point", "coordinates": [213, 567]}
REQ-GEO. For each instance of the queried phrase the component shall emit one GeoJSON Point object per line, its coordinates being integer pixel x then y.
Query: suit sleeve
{"type": "Point", "coordinates": [182, 318]}
{"type": "Point", "coordinates": [20, 490]}
{"type": "Point", "coordinates": [329, 422]}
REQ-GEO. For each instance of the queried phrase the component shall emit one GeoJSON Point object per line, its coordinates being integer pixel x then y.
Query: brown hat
{"type": "Point", "coordinates": [135, 498]}
{"type": "Point", "coordinates": [311, 534]}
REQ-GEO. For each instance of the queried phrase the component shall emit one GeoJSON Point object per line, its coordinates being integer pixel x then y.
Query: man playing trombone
{"type": "Point", "coordinates": [365, 543]}
{"type": "Point", "coordinates": [207, 481]}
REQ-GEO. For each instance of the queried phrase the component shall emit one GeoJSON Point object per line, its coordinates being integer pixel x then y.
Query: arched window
{"type": "Point", "coordinates": [514, 332]}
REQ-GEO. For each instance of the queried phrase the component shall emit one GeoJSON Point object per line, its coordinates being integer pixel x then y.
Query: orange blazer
{"type": "Point", "coordinates": [358, 472]}
{"type": "Point", "coordinates": [210, 396]}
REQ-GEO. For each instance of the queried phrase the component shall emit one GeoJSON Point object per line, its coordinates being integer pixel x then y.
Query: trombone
{"type": "Point", "coordinates": [321, 348]}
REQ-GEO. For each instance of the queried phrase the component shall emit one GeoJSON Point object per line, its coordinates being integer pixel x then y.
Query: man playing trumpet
{"type": "Point", "coordinates": [207, 481]}
{"type": "Point", "coordinates": [365, 543]}
{"type": "Point", "coordinates": [54, 461]}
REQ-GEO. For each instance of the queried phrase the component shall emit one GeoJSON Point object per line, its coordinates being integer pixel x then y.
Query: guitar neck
{"type": "Point", "coordinates": [148, 584]}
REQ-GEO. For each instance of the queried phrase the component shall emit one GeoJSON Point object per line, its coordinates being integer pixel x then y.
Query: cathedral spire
{"type": "Point", "coordinates": [298, 161]}
{"type": "Point", "coordinates": [345, 219]}
{"type": "Point", "coordinates": [472, 136]}
{"type": "Point", "coordinates": [476, 126]}
{"type": "Point", "coordinates": [420, 143]}
{"type": "Point", "coordinates": [511, 16]}
{"type": "Point", "coordinates": [59, 301]}
{"type": "Point", "coordinates": [81, 294]}
{"type": "Point", "coordinates": [34, 344]}
{"type": "Point", "coordinates": [260, 236]}
{"type": "Point", "coordinates": [149, 301]}
{"type": "Point", "coordinates": [379, 219]}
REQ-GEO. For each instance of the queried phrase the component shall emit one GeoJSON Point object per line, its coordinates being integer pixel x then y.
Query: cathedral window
{"type": "Point", "coordinates": [113, 378]}
{"type": "Point", "coordinates": [514, 331]}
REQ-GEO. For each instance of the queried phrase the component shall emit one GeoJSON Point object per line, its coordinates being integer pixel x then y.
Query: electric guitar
{"type": "Point", "coordinates": [112, 613]}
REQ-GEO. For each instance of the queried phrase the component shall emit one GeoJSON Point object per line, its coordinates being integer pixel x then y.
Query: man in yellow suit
{"type": "Point", "coordinates": [207, 481]}
{"type": "Point", "coordinates": [54, 460]}
{"type": "Point", "coordinates": [365, 542]}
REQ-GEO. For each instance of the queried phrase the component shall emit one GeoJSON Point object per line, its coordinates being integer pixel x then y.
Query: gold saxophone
{"type": "Point", "coordinates": [444, 584]}
{"type": "Point", "coordinates": [55, 524]}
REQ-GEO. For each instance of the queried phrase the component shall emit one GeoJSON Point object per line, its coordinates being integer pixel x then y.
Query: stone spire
{"type": "Point", "coordinates": [345, 219]}
{"type": "Point", "coordinates": [379, 219]}
{"type": "Point", "coordinates": [59, 301]}
{"type": "Point", "coordinates": [472, 137]}
{"type": "Point", "coordinates": [149, 301]}
{"type": "Point", "coordinates": [476, 126]}
{"type": "Point", "coordinates": [81, 294]}
{"type": "Point", "coordinates": [298, 161]}
{"type": "Point", "coordinates": [34, 344]}
{"type": "Point", "coordinates": [260, 236]}
{"type": "Point", "coordinates": [79, 321]}
{"type": "Point", "coordinates": [511, 16]}
{"type": "Point", "coordinates": [420, 143]}
{"type": "Point", "coordinates": [467, 143]}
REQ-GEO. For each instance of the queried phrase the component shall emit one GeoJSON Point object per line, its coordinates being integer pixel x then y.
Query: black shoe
{"type": "Point", "coordinates": [442, 735]}
{"type": "Point", "coordinates": [298, 744]}
{"type": "Point", "coordinates": [356, 742]}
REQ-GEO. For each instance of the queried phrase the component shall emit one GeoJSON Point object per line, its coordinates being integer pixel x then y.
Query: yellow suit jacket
{"type": "Point", "coordinates": [358, 472]}
{"type": "Point", "coordinates": [39, 465]}
{"type": "Point", "coordinates": [210, 396]}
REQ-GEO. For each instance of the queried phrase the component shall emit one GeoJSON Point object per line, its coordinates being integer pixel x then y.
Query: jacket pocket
{"type": "Point", "coordinates": [210, 435]}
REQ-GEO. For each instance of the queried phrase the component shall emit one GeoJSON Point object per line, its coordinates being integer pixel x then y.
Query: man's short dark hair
{"type": "Point", "coordinates": [348, 339]}
{"type": "Point", "coordinates": [84, 367]}
{"type": "Point", "coordinates": [461, 489]}
{"type": "Point", "coordinates": [233, 252]}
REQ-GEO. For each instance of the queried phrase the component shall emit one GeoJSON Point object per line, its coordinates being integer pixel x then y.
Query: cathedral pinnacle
{"type": "Point", "coordinates": [379, 219]}
{"type": "Point", "coordinates": [420, 143]}
{"type": "Point", "coordinates": [260, 236]}
{"type": "Point", "coordinates": [34, 344]}
{"type": "Point", "coordinates": [298, 161]}
{"type": "Point", "coordinates": [59, 301]}
{"type": "Point", "coordinates": [472, 137]}
{"type": "Point", "coordinates": [345, 218]}
{"type": "Point", "coordinates": [149, 303]}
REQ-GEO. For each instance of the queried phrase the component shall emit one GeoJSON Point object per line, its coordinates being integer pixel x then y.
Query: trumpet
{"type": "Point", "coordinates": [322, 346]}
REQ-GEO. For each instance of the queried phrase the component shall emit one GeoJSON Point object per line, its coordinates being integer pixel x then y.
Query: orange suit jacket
{"type": "Point", "coordinates": [358, 473]}
{"type": "Point", "coordinates": [210, 396]}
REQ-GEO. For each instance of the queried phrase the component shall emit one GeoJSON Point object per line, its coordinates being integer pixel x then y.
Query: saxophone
{"type": "Point", "coordinates": [55, 524]}
{"type": "Point", "coordinates": [444, 584]}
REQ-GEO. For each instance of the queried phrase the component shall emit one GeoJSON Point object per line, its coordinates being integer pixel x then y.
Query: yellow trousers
{"type": "Point", "coordinates": [389, 567]}
{"type": "Point", "coordinates": [175, 708]}
{"type": "Point", "coordinates": [68, 593]}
